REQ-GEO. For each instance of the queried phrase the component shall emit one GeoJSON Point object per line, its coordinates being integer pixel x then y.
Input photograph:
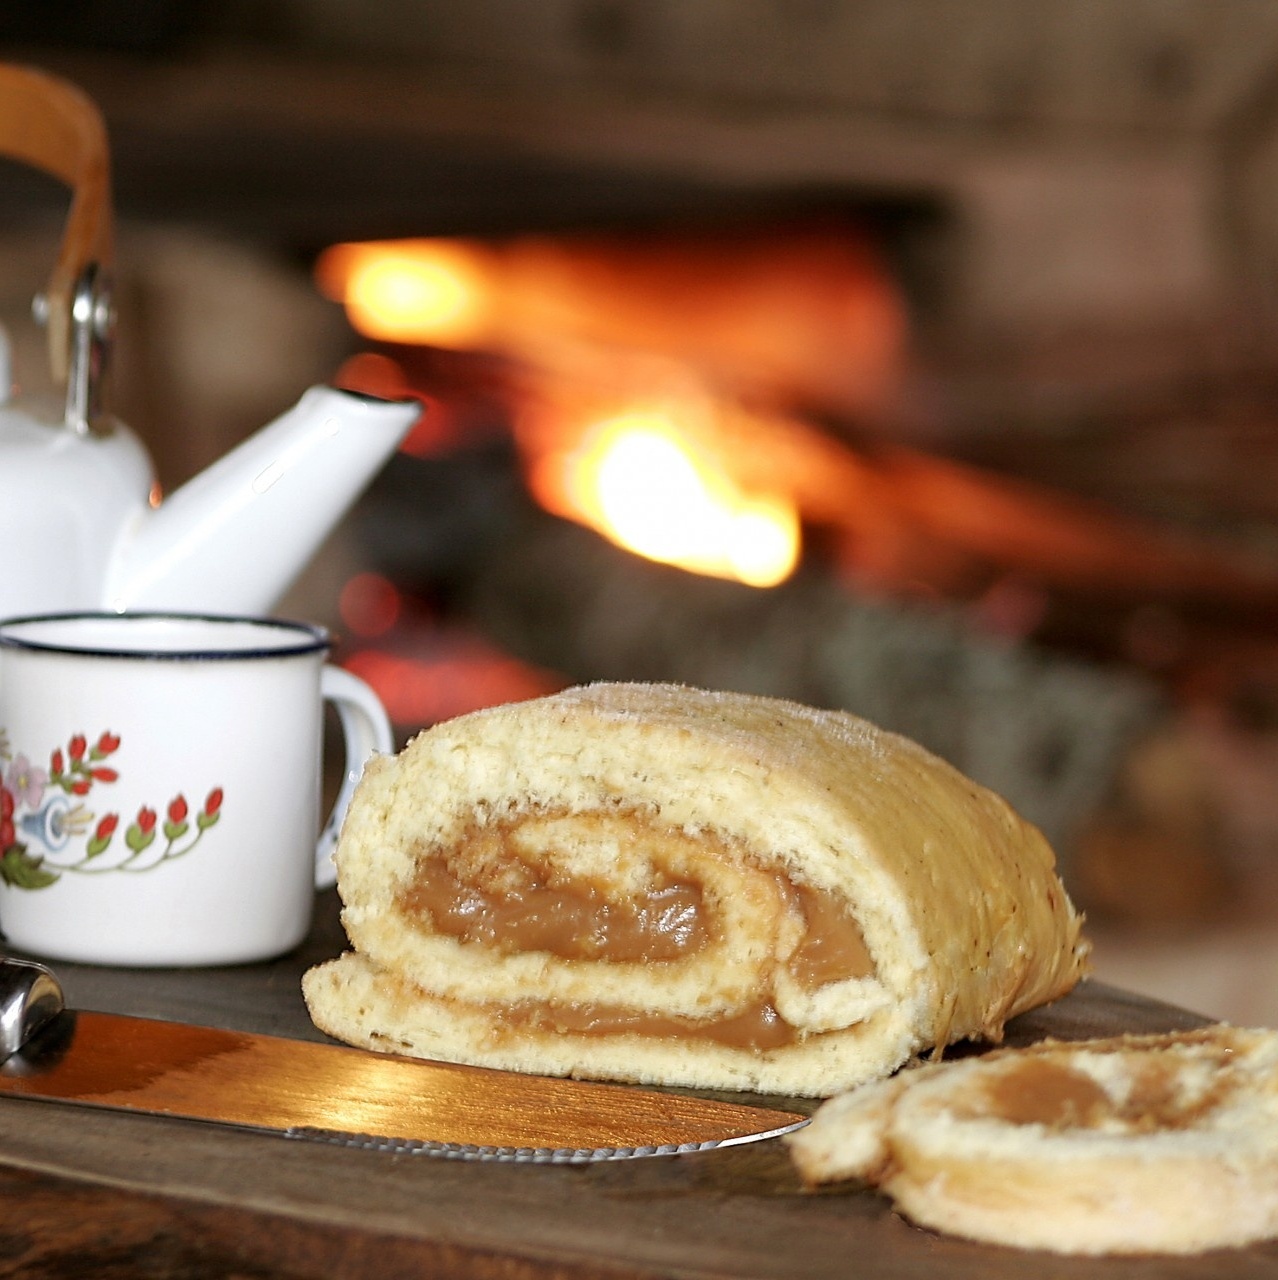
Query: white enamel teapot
{"type": "Point", "coordinates": [81, 522]}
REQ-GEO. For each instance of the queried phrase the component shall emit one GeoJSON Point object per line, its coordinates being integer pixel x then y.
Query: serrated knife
{"type": "Point", "coordinates": [345, 1096]}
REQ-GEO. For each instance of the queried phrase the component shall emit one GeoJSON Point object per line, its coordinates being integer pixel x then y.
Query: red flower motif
{"type": "Point", "coordinates": [108, 742]}
{"type": "Point", "coordinates": [80, 786]}
{"type": "Point", "coordinates": [6, 803]}
{"type": "Point", "coordinates": [8, 834]}
{"type": "Point", "coordinates": [76, 747]}
{"type": "Point", "coordinates": [177, 809]}
{"type": "Point", "coordinates": [106, 828]}
{"type": "Point", "coordinates": [56, 763]}
{"type": "Point", "coordinates": [146, 819]}
{"type": "Point", "coordinates": [103, 774]}
{"type": "Point", "coordinates": [214, 801]}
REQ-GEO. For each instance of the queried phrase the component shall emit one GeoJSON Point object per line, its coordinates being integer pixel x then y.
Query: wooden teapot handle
{"type": "Point", "coordinates": [51, 125]}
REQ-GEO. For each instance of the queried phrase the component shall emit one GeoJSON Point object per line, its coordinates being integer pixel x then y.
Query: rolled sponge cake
{"type": "Point", "coordinates": [1129, 1144]}
{"type": "Point", "coordinates": [659, 884]}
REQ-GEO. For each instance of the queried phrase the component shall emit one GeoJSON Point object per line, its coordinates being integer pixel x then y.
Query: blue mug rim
{"type": "Point", "coordinates": [312, 638]}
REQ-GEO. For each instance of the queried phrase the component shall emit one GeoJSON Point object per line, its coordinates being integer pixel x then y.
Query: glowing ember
{"type": "Point", "coordinates": [448, 674]}
{"type": "Point", "coordinates": [369, 604]}
{"type": "Point", "coordinates": [638, 480]}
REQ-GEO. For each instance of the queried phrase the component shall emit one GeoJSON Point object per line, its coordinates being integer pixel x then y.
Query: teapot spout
{"type": "Point", "coordinates": [235, 537]}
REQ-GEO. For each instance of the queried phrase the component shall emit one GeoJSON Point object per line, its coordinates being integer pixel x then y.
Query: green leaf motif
{"type": "Point", "coordinates": [20, 870]}
{"type": "Point", "coordinates": [96, 846]}
{"type": "Point", "coordinates": [137, 839]}
{"type": "Point", "coordinates": [175, 830]}
{"type": "Point", "coordinates": [205, 820]}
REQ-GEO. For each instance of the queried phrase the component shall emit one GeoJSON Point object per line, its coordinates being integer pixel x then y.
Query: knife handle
{"type": "Point", "coordinates": [30, 997]}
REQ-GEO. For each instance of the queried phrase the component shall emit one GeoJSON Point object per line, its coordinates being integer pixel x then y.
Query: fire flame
{"type": "Point", "coordinates": [808, 312]}
{"type": "Point", "coordinates": [430, 291]}
{"type": "Point", "coordinates": [637, 478]}
{"type": "Point", "coordinates": [662, 482]}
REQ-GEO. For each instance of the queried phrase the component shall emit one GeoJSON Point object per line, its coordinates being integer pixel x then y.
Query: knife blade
{"type": "Point", "coordinates": [341, 1095]}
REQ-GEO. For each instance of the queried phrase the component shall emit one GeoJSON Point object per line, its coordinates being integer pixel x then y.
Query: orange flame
{"type": "Point", "coordinates": [641, 481]}
{"type": "Point", "coordinates": [669, 483]}
{"type": "Point", "coordinates": [438, 292]}
{"type": "Point", "coordinates": [811, 312]}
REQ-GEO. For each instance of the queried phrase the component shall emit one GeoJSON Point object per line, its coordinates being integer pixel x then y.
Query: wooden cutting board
{"type": "Point", "coordinates": [102, 1194]}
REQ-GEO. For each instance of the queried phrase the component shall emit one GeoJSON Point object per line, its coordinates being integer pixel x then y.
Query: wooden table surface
{"type": "Point", "coordinates": [98, 1194]}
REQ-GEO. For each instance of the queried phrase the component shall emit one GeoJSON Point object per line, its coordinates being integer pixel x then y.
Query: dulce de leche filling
{"type": "Point", "coordinates": [574, 919]}
{"type": "Point", "coordinates": [486, 892]}
{"type": "Point", "coordinates": [1040, 1091]}
{"type": "Point", "coordinates": [758, 1027]}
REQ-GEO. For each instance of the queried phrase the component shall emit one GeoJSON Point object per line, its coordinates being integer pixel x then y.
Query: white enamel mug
{"type": "Point", "coordinates": [161, 782]}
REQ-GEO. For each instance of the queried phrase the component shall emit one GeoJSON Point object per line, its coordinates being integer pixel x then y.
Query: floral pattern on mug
{"type": "Point", "coordinates": [43, 818]}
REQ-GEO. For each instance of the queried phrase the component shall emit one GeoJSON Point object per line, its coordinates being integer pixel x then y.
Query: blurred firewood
{"type": "Point", "coordinates": [1155, 851]}
{"type": "Point", "coordinates": [903, 524]}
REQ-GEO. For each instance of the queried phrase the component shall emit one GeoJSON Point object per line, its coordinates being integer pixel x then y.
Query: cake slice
{"type": "Point", "coordinates": [1134, 1144]}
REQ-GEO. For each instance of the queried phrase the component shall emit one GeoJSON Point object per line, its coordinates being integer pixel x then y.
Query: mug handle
{"type": "Point", "coordinates": [366, 730]}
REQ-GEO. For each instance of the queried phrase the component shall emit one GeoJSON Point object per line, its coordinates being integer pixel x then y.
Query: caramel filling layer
{"type": "Point", "coordinates": [833, 947]}
{"type": "Point", "coordinates": [1048, 1093]}
{"type": "Point", "coordinates": [573, 919]}
{"type": "Point", "coordinates": [758, 1027]}
{"type": "Point", "coordinates": [484, 890]}
{"type": "Point", "coordinates": [1038, 1091]}
{"type": "Point", "coordinates": [511, 906]}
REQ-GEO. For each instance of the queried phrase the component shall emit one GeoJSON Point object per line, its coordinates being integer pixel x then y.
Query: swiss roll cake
{"type": "Point", "coordinates": [659, 884]}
